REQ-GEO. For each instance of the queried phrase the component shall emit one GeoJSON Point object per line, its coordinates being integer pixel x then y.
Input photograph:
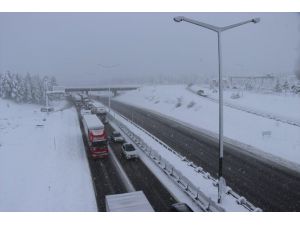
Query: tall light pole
{"type": "Point", "coordinates": [108, 67]}
{"type": "Point", "coordinates": [218, 30]}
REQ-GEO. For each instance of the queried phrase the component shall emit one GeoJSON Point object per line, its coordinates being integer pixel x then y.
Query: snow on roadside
{"type": "Point", "coordinates": [205, 185]}
{"type": "Point", "coordinates": [283, 105]}
{"type": "Point", "coordinates": [43, 166]}
{"type": "Point", "coordinates": [177, 102]}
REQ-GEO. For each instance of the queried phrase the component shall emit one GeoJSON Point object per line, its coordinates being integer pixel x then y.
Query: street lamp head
{"type": "Point", "coordinates": [256, 20]}
{"type": "Point", "coordinates": [178, 19]}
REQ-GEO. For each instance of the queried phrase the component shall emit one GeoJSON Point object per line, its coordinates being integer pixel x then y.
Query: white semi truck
{"type": "Point", "coordinates": [128, 202]}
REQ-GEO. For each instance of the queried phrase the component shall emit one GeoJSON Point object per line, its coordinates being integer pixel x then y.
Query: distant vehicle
{"type": "Point", "coordinates": [235, 96]}
{"type": "Point", "coordinates": [180, 207]}
{"type": "Point", "coordinates": [129, 151]}
{"type": "Point", "coordinates": [128, 202]}
{"type": "Point", "coordinates": [116, 137]}
{"type": "Point", "coordinates": [77, 99]}
{"type": "Point", "coordinates": [99, 109]}
{"type": "Point", "coordinates": [47, 109]}
{"type": "Point", "coordinates": [96, 136]}
{"type": "Point", "coordinates": [201, 93]}
{"type": "Point", "coordinates": [85, 112]}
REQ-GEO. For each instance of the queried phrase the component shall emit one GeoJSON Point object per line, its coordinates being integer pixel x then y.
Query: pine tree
{"type": "Point", "coordinates": [286, 86]}
{"type": "Point", "coordinates": [7, 86]}
{"type": "Point", "coordinates": [20, 89]}
{"type": "Point", "coordinates": [277, 87]}
{"type": "Point", "coordinates": [28, 89]}
{"type": "Point", "coordinates": [36, 90]}
{"type": "Point", "coordinates": [1, 85]}
{"type": "Point", "coordinates": [53, 82]}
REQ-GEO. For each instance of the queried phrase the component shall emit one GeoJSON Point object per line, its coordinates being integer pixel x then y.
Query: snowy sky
{"type": "Point", "coordinates": [85, 48]}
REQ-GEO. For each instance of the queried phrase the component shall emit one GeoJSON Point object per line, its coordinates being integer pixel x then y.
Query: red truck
{"type": "Point", "coordinates": [96, 136]}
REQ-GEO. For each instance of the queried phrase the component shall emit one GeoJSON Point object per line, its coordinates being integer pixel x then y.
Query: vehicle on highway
{"type": "Point", "coordinates": [116, 137]}
{"type": "Point", "coordinates": [99, 109]}
{"type": "Point", "coordinates": [180, 207]}
{"type": "Point", "coordinates": [201, 93]}
{"type": "Point", "coordinates": [96, 136]}
{"type": "Point", "coordinates": [85, 112]}
{"type": "Point", "coordinates": [47, 109]}
{"type": "Point", "coordinates": [128, 202]}
{"type": "Point", "coordinates": [129, 151]}
{"type": "Point", "coordinates": [77, 99]}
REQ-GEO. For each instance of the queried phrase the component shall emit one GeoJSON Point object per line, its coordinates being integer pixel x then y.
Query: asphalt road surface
{"type": "Point", "coordinates": [107, 180]}
{"type": "Point", "coordinates": [143, 179]}
{"type": "Point", "coordinates": [265, 184]}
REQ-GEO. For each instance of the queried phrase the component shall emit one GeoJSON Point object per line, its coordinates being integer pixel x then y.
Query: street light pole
{"type": "Point", "coordinates": [218, 30]}
{"type": "Point", "coordinates": [110, 82]}
{"type": "Point", "coordinates": [220, 117]}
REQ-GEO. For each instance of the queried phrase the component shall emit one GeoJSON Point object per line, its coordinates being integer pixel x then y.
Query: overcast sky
{"type": "Point", "coordinates": [85, 48]}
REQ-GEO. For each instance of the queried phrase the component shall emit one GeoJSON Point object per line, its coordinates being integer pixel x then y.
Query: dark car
{"type": "Point", "coordinates": [180, 207]}
{"type": "Point", "coordinates": [116, 137]}
{"type": "Point", "coordinates": [201, 93]}
{"type": "Point", "coordinates": [47, 109]}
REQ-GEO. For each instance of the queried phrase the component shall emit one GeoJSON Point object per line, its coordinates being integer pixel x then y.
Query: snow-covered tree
{"type": "Point", "coordinates": [286, 86]}
{"type": "Point", "coordinates": [28, 88]}
{"type": "Point", "coordinates": [37, 90]}
{"type": "Point", "coordinates": [277, 87]}
{"type": "Point", "coordinates": [1, 82]}
{"type": "Point", "coordinates": [6, 85]}
{"type": "Point", "coordinates": [52, 82]}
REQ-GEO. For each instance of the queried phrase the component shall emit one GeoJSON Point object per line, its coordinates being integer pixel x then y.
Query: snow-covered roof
{"type": "Point", "coordinates": [93, 121]}
{"type": "Point", "coordinates": [128, 202]}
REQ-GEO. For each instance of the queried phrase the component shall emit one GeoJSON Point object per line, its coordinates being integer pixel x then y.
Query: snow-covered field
{"type": "Point", "coordinates": [281, 105]}
{"type": "Point", "coordinates": [43, 166]}
{"type": "Point", "coordinates": [281, 140]}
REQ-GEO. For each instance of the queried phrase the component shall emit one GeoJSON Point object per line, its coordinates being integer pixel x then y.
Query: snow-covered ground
{"type": "Point", "coordinates": [204, 184]}
{"type": "Point", "coordinates": [281, 140]}
{"type": "Point", "coordinates": [43, 166]}
{"type": "Point", "coordinates": [281, 105]}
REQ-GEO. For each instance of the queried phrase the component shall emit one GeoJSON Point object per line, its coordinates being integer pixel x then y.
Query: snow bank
{"type": "Point", "coordinates": [281, 140]}
{"type": "Point", "coordinates": [200, 181]}
{"type": "Point", "coordinates": [43, 166]}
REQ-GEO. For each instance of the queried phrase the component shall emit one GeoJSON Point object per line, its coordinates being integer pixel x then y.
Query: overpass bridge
{"type": "Point", "coordinates": [113, 89]}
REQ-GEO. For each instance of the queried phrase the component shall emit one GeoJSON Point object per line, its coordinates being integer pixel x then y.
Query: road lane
{"type": "Point", "coordinates": [265, 184]}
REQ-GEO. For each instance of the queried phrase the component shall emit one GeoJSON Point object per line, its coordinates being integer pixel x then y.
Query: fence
{"type": "Point", "coordinates": [205, 203]}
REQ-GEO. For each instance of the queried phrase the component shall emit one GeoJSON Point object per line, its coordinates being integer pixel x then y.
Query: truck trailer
{"type": "Point", "coordinates": [128, 202]}
{"type": "Point", "coordinates": [95, 135]}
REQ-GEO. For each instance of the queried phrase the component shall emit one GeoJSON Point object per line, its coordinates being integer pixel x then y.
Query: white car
{"type": "Point", "coordinates": [129, 151]}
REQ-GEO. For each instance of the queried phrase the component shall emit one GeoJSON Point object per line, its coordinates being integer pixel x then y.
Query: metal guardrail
{"type": "Point", "coordinates": [204, 202]}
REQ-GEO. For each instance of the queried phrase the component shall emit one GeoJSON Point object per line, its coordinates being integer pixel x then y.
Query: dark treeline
{"type": "Point", "coordinates": [29, 88]}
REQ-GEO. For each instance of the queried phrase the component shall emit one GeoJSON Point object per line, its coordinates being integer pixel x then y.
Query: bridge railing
{"type": "Point", "coordinates": [195, 193]}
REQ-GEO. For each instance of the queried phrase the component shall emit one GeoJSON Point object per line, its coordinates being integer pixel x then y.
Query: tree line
{"type": "Point", "coordinates": [27, 89]}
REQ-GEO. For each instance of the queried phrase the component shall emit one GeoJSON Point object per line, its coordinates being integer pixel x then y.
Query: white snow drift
{"type": "Point", "coordinates": [43, 166]}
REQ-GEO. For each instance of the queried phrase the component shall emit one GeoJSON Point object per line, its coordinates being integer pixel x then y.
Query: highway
{"type": "Point", "coordinates": [264, 183]}
{"type": "Point", "coordinates": [106, 179]}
